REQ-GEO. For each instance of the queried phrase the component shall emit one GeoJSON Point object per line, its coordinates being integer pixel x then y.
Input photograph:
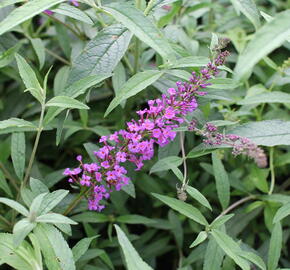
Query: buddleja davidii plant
{"type": "Point", "coordinates": [38, 198]}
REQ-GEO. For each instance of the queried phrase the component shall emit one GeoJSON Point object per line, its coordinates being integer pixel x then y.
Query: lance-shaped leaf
{"type": "Point", "coordinates": [268, 132]}
{"type": "Point", "coordinates": [102, 54]}
{"type": "Point", "coordinates": [16, 124]}
{"type": "Point", "coordinates": [142, 27]}
{"type": "Point", "coordinates": [73, 12]}
{"type": "Point", "coordinates": [133, 86]}
{"type": "Point", "coordinates": [25, 12]}
{"type": "Point", "coordinates": [283, 212]}
{"type": "Point", "coordinates": [55, 218]}
{"type": "Point", "coordinates": [18, 153]}
{"type": "Point", "coordinates": [21, 229]}
{"type": "Point", "coordinates": [15, 205]}
{"type": "Point", "coordinates": [266, 39]}
{"type": "Point", "coordinates": [20, 258]}
{"type": "Point", "coordinates": [132, 258]}
{"type": "Point", "coordinates": [29, 79]}
{"type": "Point", "coordinates": [222, 180]}
{"type": "Point", "coordinates": [268, 97]}
{"type": "Point", "coordinates": [74, 90]}
{"type": "Point", "coordinates": [55, 249]}
{"type": "Point", "coordinates": [183, 208]}
{"type": "Point", "coordinates": [249, 9]}
{"type": "Point", "coordinates": [81, 247]}
{"type": "Point", "coordinates": [231, 248]}
{"type": "Point", "coordinates": [66, 102]}
{"type": "Point", "coordinates": [275, 246]}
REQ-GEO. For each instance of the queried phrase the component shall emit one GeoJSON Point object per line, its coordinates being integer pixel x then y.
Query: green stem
{"type": "Point", "coordinates": [272, 171]}
{"type": "Point", "coordinates": [9, 176]}
{"type": "Point", "coordinates": [136, 55]}
{"type": "Point", "coordinates": [127, 62]}
{"type": "Point", "coordinates": [5, 220]}
{"type": "Point", "coordinates": [39, 130]}
{"type": "Point", "coordinates": [236, 204]}
{"type": "Point", "coordinates": [149, 7]}
{"type": "Point", "coordinates": [58, 57]}
{"type": "Point", "coordinates": [184, 183]}
{"type": "Point", "coordinates": [67, 26]}
{"type": "Point", "coordinates": [75, 202]}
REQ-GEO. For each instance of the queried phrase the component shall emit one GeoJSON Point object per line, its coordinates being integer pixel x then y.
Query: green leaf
{"type": "Point", "coordinates": [283, 212]}
{"type": "Point", "coordinates": [21, 229]}
{"type": "Point", "coordinates": [51, 200]}
{"type": "Point", "coordinates": [16, 125]}
{"type": "Point", "coordinates": [37, 187]}
{"type": "Point", "coordinates": [54, 218]}
{"type": "Point", "coordinates": [223, 83]}
{"type": "Point", "coordinates": [199, 239]}
{"type": "Point", "coordinates": [195, 194]}
{"type": "Point", "coordinates": [74, 90]}
{"type": "Point", "coordinates": [213, 256]}
{"type": "Point", "coordinates": [7, 56]}
{"type": "Point", "coordinates": [29, 79]}
{"type": "Point", "coordinates": [268, 97]}
{"type": "Point", "coordinates": [35, 205]}
{"type": "Point", "coordinates": [18, 153]}
{"type": "Point", "coordinates": [39, 49]}
{"type": "Point", "coordinates": [231, 248]}
{"type": "Point", "coordinates": [15, 205]}
{"type": "Point", "coordinates": [190, 61]}
{"type": "Point", "coordinates": [91, 217]}
{"type": "Point", "coordinates": [183, 208]}
{"type": "Point", "coordinates": [4, 185]}
{"type": "Point", "coordinates": [220, 221]}
{"type": "Point", "coordinates": [249, 9]}
{"type": "Point", "coordinates": [132, 258]}
{"type": "Point", "coordinates": [222, 180]}
{"type": "Point", "coordinates": [254, 258]}
{"type": "Point", "coordinates": [25, 12]}
{"type": "Point", "coordinates": [133, 86]}
{"type": "Point", "coordinates": [265, 40]}
{"type": "Point", "coordinates": [81, 247]}
{"type": "Point", "coordinates": [74, 13]}
{"type": "Point", "coordinates": [55, 249]}
{"type": "Point", "coordinates": [134, 219]}
{"type": "Point", "coordinates": [19, 258]}
{"type": "Point", "coordinates": [102, 54]}
{"type": "Point", "coordinates": [119, 79]}
{"type": "Point", "coordinates": [5, 3]}
{"type": "Point", "coordinates": [275, 246]}
{"type": "Point", "coordinates": [66, 102]}
{"type": "Point", "coordinates": [268, 133]}
{"type": "Point", "coordinates": [165, 164]}
{"type": "Point", "coordinates": [142, 27]}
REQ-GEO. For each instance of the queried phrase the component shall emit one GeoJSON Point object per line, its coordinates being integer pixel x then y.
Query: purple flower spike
{"type": "Point", "coordinates": [154, 126]}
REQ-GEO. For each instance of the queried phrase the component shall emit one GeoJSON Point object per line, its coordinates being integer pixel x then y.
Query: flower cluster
{"type": "Point", "coordinates": [74, 2]}
{"type": "Point", "coordinates": [155, 126]}
{"type": "Point", "coordinates": [240, 145]}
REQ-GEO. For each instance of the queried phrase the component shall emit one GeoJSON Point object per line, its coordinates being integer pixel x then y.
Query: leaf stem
{"type": "Point", "coordinates": [75, 202]}
{"type": "Point", "coordinates": [272, 169]}
{"type": "Point", "coordinates": [9, 176]}
{"type": "Point", "coordinates": [39, 130]}
{"type": "Point", "coordinates": [58, 57]}
{"type": "Point", "coordinates": [5, 220]}
{"type": "Point", "coordinates": [184, 182]}
{"type": "Point", "coordinates": [67, 26]}
{"type": "Point", "coordinates": [149, 7]}
{"type": "Point", "coordinates": [136, 55]}
{"type": "Point", "coordinates": [236, 204]}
